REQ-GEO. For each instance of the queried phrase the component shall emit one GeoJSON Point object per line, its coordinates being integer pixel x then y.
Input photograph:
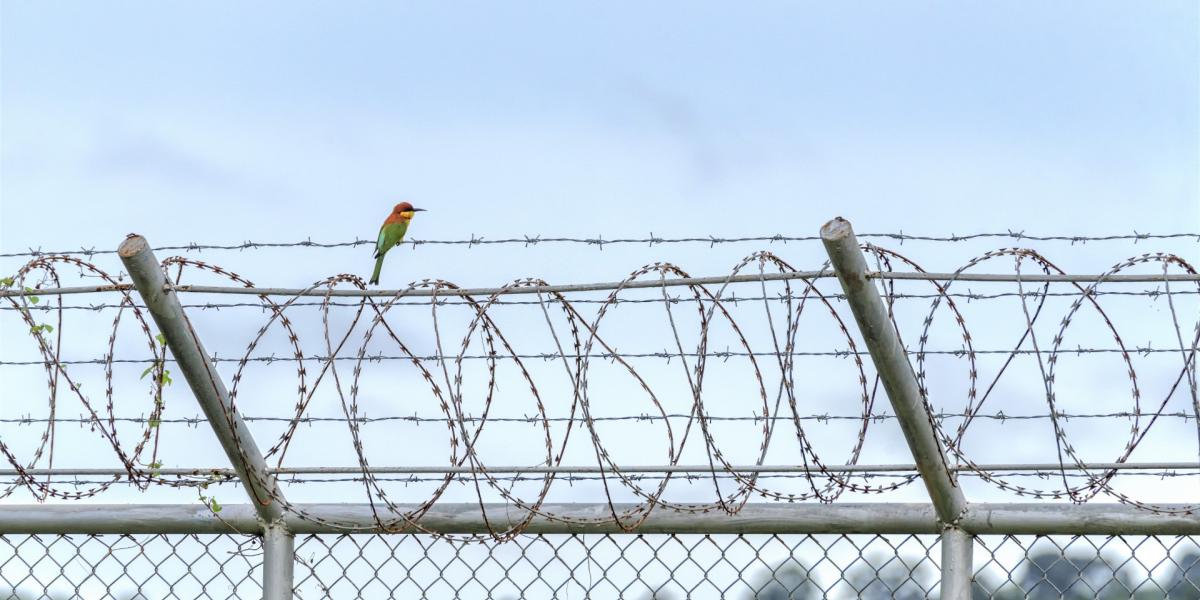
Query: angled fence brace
{"type": "Point", "coordinates": [900, 383]}
{"type": "Point", "coordinates": [210, 392]}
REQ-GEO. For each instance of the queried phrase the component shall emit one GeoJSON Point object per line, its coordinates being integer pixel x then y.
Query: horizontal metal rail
{"type": "Point", "coordinates": [468, 518]}
{"type": "Point", "coordinates": [438, 470]}
{"type": "Point", "coordinates": [794, 297]}
{"type": "Point", "coordinates": [64, 291]}
{"type": "Point", "coordinates": [612, 285]}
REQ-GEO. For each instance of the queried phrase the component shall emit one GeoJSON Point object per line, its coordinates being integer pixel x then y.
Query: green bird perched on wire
{"type": "Point", "coordinates": [392, 233]}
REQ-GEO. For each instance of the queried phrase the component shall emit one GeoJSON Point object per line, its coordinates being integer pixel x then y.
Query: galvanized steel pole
{"type": "Point", "coordinates": [279, 558]}
{"type": "Point", "coordinates": [213, 398]}
{"type": "Point", "coordinates": [958, 549]}
{"type": "Point", "coordinates": [900, 383]}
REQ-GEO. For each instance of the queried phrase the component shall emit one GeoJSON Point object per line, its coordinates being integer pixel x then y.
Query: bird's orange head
{"type": "Point", "coordinates": [405, 210]}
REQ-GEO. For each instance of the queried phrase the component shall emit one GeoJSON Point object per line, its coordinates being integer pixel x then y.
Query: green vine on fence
{"type": "Point", "coordinates": [163, 376]}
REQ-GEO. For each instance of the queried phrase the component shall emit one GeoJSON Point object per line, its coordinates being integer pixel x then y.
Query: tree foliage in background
{"type": "Point", "coordinates": [788, 581]}
{"type": "Point", "coordinates": [1048, 575]}
{"type": "Point", "coordinates": [1052, 575]}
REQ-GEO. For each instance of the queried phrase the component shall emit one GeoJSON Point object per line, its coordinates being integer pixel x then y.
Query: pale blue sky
{"type": "Point", "coordinates": [219, 122]}
{"type": "Point", "coordinates": [225, 122]}
{"type": "Point", "coordinates": [310, 119]}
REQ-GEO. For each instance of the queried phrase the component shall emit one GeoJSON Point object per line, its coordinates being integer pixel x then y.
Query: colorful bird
{"type": "Point", "coordinates": [392, 233]}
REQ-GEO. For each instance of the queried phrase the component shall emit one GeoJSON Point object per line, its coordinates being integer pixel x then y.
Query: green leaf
{"type": "Point", "coordinates": [162, 340]}
{"type": "Point", "coordinates": [166, 378]}
{"type": "Point", "coordinates": [32, 299]}
{"type": "Point", "coordinates": [154, 423]}
{"type": "Point", "coordinates": [44, 328]}
{"type": "Point", "coordinates": [147, 371]}
{"type": "Point", "coordinates": [7, 282]}
{"type": "Point", "coordinates": [212, 503]}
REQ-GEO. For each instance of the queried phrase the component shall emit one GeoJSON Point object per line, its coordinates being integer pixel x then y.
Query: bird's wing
{"type": "Point", "coordinates": [379, 247]}
{"type": "Point", "coordinates": [390, 235]}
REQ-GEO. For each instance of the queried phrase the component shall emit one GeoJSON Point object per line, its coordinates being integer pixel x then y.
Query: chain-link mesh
{"type": "Point", "coordinates": [1077, 567]}
{"type": "Point", "coordinates": [129, 567]}
{"type": "Point", "coordinates": [618, 566]}
{"type": "Point", "coordinates": [776, 567]}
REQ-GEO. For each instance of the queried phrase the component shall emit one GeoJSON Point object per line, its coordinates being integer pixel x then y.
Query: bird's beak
{"type": "Point", "coordinates": [418, 210]}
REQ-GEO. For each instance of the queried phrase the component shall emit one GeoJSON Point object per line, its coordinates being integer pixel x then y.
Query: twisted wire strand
{"type": "Point", "coordinates": [826, 417]}
{"type": "Point", "coordinates": [651, 241]}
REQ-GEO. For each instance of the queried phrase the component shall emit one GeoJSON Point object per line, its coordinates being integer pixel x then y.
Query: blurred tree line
{"type": "Point", "coordinates": [1048, 575]}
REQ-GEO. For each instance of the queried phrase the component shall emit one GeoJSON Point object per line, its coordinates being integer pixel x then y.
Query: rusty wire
{"type": "Point", "coordinates": [579, 342]}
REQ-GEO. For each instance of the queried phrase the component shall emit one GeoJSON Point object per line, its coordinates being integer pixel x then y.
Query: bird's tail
{"type": "Point", "coordinates": [378, 268]}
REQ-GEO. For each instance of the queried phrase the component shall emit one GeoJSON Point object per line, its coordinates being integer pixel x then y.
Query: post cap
{"type": "Point", "coordinates": [133, 245]}
{"type": "Point", "coordinates": [836, 229]}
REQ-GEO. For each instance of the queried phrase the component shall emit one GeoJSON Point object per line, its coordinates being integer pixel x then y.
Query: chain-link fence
{"type": "Point", "coordinates": [710, 442]}
{"type": "Point", "coordinates": [130, 566]}
{"type": "Point", "coordinates": [776, 567]}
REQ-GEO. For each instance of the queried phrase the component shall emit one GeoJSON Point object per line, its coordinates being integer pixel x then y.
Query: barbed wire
{"type": "Point", "coordinates": [756, 419]}
{"type": "Point", "coordinates": [733, 300]}
{"type": "Point", "coordinates": [578, 340]}
{"type": "Point", "coordinates": [607, 356]}
{"type": "Point", "coordinates": [651, 241]}
{"type": "Point", "coordinates": [686, 478]}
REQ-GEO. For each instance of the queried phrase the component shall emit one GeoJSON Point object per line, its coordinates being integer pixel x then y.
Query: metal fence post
{"type": "Point", "coordinates": [205, 383]}
{"type": "Point", "coordinates": [958, 548]}
{"type": "Point", "coordinates": [279, 558]}
{"type": "Point", "coordinates": [900, 383]}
